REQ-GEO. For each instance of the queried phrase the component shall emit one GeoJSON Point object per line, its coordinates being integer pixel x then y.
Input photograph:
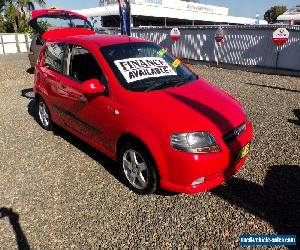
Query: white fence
{"type": "Point", "coordinates": [248, 46]}
{"type": "Point", "coordinates": [14, 43]}
{"type": "Point", "coordinates": [243, 45]}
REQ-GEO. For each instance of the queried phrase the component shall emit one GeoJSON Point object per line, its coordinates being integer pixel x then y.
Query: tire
{"type": "Point", "coordinates": [137, 168]}
{"type": "Point", "coordinates": [43, 114]}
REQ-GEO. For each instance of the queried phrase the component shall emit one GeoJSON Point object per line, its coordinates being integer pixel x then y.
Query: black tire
{"type": "Point", "coordinates": [150, 175]}
{"type": "Point", "coordinates": [44, 122]}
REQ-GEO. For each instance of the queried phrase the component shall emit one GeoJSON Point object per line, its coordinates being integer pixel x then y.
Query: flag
{"type": "Point", "coordinates": [125, 16]}
{"type": "Point", "coordinates": [257, 18]}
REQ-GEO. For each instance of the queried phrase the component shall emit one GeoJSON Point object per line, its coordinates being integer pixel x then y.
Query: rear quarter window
{"type": "Point", "coordinates": [53, 55]}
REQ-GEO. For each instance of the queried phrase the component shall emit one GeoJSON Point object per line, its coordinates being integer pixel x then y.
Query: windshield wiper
{"type": "Point", "coordinates": [188, 79]}
{"type": "Point", "coordinates": [175, 81]}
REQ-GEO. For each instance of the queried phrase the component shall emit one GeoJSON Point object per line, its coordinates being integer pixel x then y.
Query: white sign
{"type": "Point", "coordinates": [281, 33]}
{"type": "Point", "coordinates": [281, 36]}
{"type": "Point", "coordinates": [148, 2]}
{"type": "Point", "coordinates": [183, 5]}
{"type": "Point", "coordinates": [175, 34]}
{"type": "Point", "coordinates": [219, 37]}
{"type": "Point", "coordinates": [135, 69]}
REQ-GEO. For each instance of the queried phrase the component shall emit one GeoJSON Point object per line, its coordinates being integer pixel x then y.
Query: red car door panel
{"type": "Point", "coordinates": [87, 115]}
{"type": "Point", "coordinates": [50, 80]}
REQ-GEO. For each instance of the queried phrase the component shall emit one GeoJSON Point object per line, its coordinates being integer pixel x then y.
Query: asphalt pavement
{"type": "Point", "coordinates": [56, 192]}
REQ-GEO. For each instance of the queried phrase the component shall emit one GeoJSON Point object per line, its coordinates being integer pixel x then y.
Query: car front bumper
{"type": "Point", "coordinates": [209, 183]}
{"type": "Point", "coordinates": [215, 168]}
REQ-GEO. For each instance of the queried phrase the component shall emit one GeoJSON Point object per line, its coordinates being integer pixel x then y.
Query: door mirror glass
{"type": "Point", "coordinates": [92, 87]}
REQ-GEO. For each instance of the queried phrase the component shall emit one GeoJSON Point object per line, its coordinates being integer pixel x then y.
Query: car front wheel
{"type": "Point", "coordinates": [138, 169]}
{"type": "Point", "coordinates": [43, 114]}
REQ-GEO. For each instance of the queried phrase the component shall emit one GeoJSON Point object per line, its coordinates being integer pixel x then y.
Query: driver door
{"type": "Point", "coordinates": [87, 115]}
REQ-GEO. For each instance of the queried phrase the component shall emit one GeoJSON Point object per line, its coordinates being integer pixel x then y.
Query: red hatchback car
{"type": "Point", "coordinates": [138, 104]}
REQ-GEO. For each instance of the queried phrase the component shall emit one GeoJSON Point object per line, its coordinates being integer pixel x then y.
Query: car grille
{"type": "Point", "coordinates": [234, 133]}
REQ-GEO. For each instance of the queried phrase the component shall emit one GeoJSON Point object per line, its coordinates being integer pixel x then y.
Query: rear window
{"type": "Point", "coordinates": [53, 56]}
{"type": "Point", "coordinates": [46, 23]}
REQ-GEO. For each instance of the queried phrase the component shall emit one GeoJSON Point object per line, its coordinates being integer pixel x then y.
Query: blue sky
{"type": "Point", "coordinates": [236, 7]}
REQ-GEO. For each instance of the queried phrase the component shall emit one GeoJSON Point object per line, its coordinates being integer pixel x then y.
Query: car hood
{"type": "Point", "coordinates": [197, 106]}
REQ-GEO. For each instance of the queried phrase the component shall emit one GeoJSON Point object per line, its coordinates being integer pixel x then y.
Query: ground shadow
{"type": "Point", "coordinates": [30, 71]}
{"type": "Point", "coordinates": [13, 218]}
{"type": "Point", "coordinates": [271, 87]}
{"type": "Point", "coordinates": [297, 114]}
{"type": "Point", "coordinates": [31, 109]}
{"type": "Point", "coordinates": [165, 193]}
{"type": "Point", "coordinates": [277, 201]}
{"type": "Point", "coordinates": [108, 164]}
{"type": "Point", "coordinates": [26, 93]}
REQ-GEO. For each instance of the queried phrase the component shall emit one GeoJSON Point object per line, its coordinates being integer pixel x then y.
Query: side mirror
{"type": "Point", "coordinates": [92, 87]}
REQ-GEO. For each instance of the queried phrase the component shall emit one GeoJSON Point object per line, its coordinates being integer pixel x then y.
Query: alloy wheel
{"type": "Point", "coordinates": [44, 114]}
{"type": "Point", "coordinates": [135, 169]}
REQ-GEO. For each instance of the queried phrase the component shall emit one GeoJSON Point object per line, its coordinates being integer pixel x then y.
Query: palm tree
{"type": "Point", "coordinates": [2, 4]}
{"type": "Point", "coordinates": [2, 24]}
{"type": "Point", "coordinates": [17, 11]}
{"type": "Point", "coordinates": [29, 5]}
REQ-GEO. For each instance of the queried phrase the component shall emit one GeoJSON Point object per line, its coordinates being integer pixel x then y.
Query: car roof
{"type": "Point", "coordinates": [99, 39]}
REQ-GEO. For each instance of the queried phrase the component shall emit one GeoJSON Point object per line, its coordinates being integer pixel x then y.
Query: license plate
{"type": "Point", "coordinates": [243, 152]}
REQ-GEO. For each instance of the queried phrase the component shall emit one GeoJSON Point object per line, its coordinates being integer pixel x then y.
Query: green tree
{"type": "Point", "coordinates": [2, 24]}
{"type": "Point", "coordinates": [272, 13]}
{"type": "Point", "coordinates": [16, 13]}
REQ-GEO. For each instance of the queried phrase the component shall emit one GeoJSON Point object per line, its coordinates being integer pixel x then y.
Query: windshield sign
{"type": "Point", "coordinates": [145, 66]}
{"type": "Point", "coordinates": [134, 69]}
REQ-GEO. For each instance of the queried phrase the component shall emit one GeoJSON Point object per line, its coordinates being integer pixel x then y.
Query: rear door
{"type": "Point", "coordinates": [88, 115]}
{"type": "Point", "coordinates": [51, 69]}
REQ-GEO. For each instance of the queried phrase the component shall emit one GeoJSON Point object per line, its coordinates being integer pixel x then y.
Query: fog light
{"type": "Point", "coordinates": [198, 181]}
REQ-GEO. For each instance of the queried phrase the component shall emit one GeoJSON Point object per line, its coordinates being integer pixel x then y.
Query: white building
{"type": "Point", "coordinates": [165, 13]}
{"type": "Point", "coordinates": [288, 16]}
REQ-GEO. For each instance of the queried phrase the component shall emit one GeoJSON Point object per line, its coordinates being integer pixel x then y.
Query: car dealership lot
{"type": "Point", "coordinates": [68, 195]}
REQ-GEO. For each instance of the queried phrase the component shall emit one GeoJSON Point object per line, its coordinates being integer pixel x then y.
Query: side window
{"type": "Point", "coordinates": [80, 65]}
{"type": "Point", "coordinates": [80, 23]}
{"type": "Point", "coordinates": [53, 56]}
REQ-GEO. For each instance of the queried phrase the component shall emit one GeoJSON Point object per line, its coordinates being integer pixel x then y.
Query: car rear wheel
{"type": "Point", "coordinates": [138, 169]}
{"type": "Point", "coordinates": [43, 114]}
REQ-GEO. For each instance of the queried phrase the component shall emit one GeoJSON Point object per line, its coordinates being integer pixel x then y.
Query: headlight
{"type": "Point", "coordinates": [198, 142]}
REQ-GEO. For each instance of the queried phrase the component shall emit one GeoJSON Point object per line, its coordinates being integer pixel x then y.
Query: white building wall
{"type": "Point", "coordinates": [14, 43]}
{"type": "Point", "coordinates": [173, 9]}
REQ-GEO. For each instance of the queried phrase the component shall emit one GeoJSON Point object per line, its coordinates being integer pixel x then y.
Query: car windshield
{"type": "Point", "coordinates": [50, 22]}
{"type": "Point", "coordinates": [146, 66]}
